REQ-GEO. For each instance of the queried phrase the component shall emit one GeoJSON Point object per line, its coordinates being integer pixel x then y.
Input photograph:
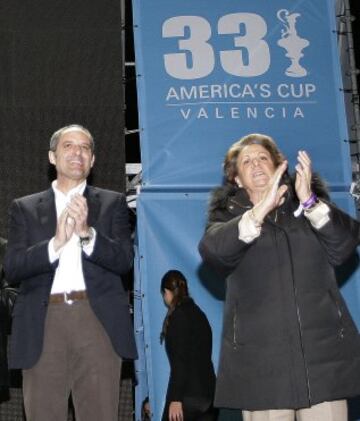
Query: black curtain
{"type": "Point", "coordinates": [60, 63]}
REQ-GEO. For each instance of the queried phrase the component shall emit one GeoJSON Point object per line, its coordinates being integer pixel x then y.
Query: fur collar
{"type": "Point", "coordinates": [220, 196]}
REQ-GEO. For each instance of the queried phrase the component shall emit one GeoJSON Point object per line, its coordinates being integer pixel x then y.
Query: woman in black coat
{"type": "Point", "coordinates": [289, 346]}
{"type": "Point", "coordinates": [188, 343]}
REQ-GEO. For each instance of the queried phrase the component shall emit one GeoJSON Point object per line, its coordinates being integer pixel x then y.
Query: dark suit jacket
{"type": "Point", "coordinates": [188, 343]}
{"type": "Point", "coordinates": [4, 324]}
{"type": "Point", "coordinates": [32, 225]}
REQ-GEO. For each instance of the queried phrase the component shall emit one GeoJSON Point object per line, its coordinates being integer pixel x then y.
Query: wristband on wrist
{"type": "Point", "coordinates": [311, 202]}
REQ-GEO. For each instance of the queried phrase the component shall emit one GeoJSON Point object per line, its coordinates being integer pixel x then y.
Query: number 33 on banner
{"type": "Point", "coordinates": [252, 58]}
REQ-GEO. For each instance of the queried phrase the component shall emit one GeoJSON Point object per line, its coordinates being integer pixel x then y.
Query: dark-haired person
{"type": "Point", "coordinates": [188, 343]}
{"type": "Point", "coordinates": [289, 347]}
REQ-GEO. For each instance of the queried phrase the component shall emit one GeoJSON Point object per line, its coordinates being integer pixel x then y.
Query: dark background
{"type": "Point", "coordinates": [60, 63]}
{"type": "Point", "coordinates": [355, 11]}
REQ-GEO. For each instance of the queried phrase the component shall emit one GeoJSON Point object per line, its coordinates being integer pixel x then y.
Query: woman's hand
{"type": "Point", "coordinates": [273, 195]}
{"type": "Point", "coordinates": [303, 177]}
{"type": "Point", "coordinates": [176, 411]}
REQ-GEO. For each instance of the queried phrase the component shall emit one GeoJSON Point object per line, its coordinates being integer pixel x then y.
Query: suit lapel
{"type": "Point", "coordinates": [47, 212]}
{"type": "Point", "coordinates": [93, 204]}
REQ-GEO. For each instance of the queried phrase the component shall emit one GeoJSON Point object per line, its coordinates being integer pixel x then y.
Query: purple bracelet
{"type": "Point", "coordinates": [310, 202]}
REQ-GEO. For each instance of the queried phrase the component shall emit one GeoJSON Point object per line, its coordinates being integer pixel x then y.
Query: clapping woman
{"type": "Point", "coordinates": [289, 347]}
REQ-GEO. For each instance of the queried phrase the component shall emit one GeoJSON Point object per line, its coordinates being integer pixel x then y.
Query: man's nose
{"type": "Point", "coordinates": [77, 149]}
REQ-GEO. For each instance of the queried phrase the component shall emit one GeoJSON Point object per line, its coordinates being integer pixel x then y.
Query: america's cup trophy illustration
{"type": "Point", "coordinates": [292, 43]}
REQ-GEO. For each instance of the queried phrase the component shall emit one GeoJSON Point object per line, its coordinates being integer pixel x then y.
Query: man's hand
{"type": "Point", "coordinates": [176, 411]}
{"type": "Point", "coordinates": [64, 230]}
{"type": "Point", "coordinates": [78, 211]}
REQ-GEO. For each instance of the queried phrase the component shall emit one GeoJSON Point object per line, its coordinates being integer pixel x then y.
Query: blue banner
{"type": "Point", "coordinates": [211, 72]}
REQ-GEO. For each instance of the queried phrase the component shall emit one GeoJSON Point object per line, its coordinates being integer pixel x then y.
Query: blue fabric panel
{"type": "Point", "coordinates": [170, 227]}
{"type": "Point", "coordinates": [349, 275]}
{"type": "Point", "coordinates": [211, 72]}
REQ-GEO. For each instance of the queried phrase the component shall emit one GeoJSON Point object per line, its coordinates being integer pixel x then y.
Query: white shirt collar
{"type": "Point", "coordinates": [80, 188]}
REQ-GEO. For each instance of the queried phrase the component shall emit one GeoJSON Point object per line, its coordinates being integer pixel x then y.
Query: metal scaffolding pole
{"type": "Point", "coordinates": [133, 170]}
{"type": "Point", "coordinates": [346, 19]}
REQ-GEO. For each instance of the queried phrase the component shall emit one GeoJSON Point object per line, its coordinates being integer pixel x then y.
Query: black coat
{"type": "Point", "coordinates": [288, 338]}
{"type": "Point", "coordinates": [188, 343]}
{"type": "Point", "coordinates": [32, 225]}
{"type": "Point", "coordinates": [5, 310]}
{"type": "Point", "coordinates": [4, 376]}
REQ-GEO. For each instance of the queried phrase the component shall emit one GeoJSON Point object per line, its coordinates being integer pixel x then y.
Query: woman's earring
{"type": "Point", "coordinates": [237, 181]}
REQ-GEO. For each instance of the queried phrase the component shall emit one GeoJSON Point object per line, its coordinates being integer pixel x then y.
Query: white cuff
{"type": "Point", "coordinates": [248, 229]}
{"type": "Point", "coordinates": [89, 247]}
{"type": "Point", "coordinates": [53, 255]}
{"type": "Point", "coordinates": [319, 215]}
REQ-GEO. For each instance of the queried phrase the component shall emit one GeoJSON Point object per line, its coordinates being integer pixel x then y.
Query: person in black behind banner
{"type": "Point", "coordinates": [289, 347]}
{"type": "Point", "coordinates": [188, 343]}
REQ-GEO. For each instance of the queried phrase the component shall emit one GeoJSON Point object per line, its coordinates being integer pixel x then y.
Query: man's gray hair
{"type": "Point", "coordinates": [56, 136]}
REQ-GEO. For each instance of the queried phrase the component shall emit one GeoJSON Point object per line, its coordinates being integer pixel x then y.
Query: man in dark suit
{"type": "Point", "coordinates": [68, 247]}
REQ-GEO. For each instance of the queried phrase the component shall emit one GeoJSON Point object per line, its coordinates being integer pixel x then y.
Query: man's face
{"type": "Point", "coordinates": [73, 157]}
